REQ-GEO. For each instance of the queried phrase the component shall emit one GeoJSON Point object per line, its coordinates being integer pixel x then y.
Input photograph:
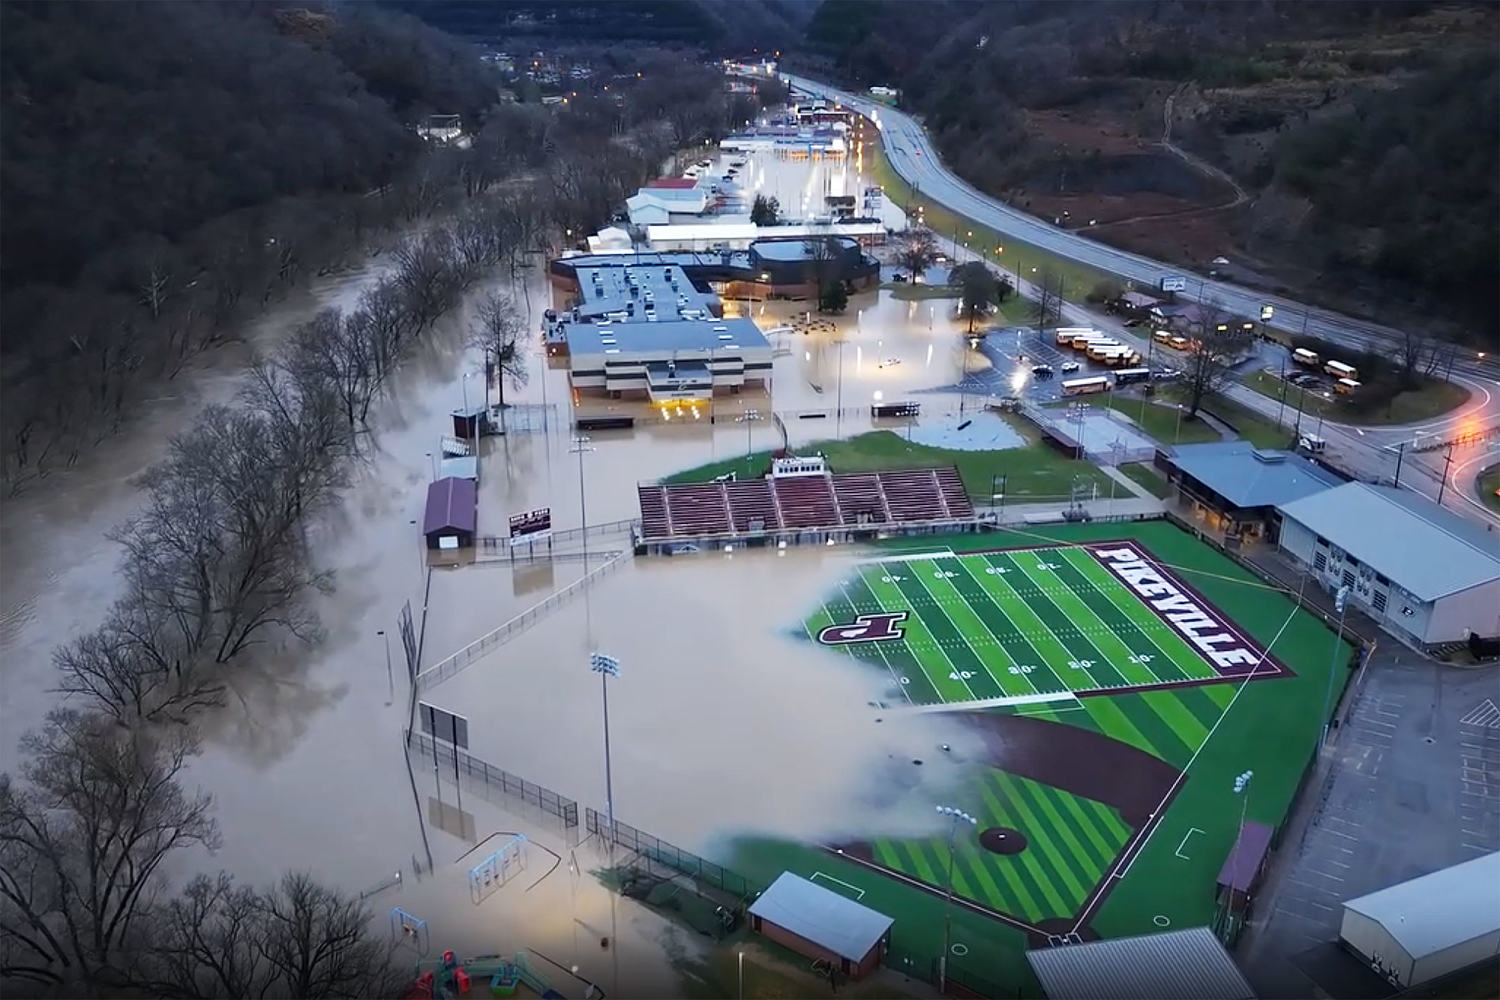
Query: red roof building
{"type": "Point", "coordinates": [678, 183]}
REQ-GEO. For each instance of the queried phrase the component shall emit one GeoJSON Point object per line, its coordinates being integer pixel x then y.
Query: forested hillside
{"type": "Point", "coordinates": [1347, 141]}
{"type": "Point", "coordinates": [167, 170]}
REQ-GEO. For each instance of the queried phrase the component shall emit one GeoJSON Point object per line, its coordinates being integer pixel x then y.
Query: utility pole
{"type": "Point", "coordinates": [1400, 454]}
{"type": "Point", "coordinates": [1340, 601]}
{"type": "Point", "coordinates": [1447, 464]}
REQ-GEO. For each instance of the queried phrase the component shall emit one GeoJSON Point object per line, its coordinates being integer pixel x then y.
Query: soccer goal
{"type": "Point", "coordinates": [497, 869]}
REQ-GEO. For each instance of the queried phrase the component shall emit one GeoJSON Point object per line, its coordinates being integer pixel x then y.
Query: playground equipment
{"type": "Point", "coordinates": [448, 977]}
{"type": "Point", "coordinates": [407, 929]}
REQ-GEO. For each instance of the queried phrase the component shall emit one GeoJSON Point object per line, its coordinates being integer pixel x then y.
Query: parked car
{"type": "Point", "coordinates": [1069, 366]}
{"type": "Point", "coordinates": [1042, 371]}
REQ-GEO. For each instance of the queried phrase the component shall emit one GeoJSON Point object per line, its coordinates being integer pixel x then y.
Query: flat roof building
{"type": "Point", "coordinates": [1427, 575]}
{"type": "Point", "coordinates": [821, 924]}
{"type": "Point", "coordinates": [1177, 965]}
{"type": "Point", "coordinates": [1416, 931]}
{"type": "Point", "coordinates": [649, 330]}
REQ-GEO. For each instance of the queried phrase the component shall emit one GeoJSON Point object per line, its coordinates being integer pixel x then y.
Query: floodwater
{"type": "Point", "coordinates": [723, 720]}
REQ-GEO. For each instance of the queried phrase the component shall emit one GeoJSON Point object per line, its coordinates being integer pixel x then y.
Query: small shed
{"type": "Point", "coordinates": [1415, 931]}
{"type": "Point", "coordinates": [1176, 965]}
{"type": "Point", "coordinates": [821, 924]}
{"type": "Point", "coordinates": [451, 515]}
{"type": "Point", "coordinates": [1242, 869]}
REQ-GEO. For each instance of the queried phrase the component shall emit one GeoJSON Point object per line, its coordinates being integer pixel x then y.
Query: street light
{"type": "Point", "coordinates": [607, 667]}
{"type": "Point", "coordinates": [954, 816]}
{"type": "Point", "coordinates": [1340, 602]}
{"type": "Point", "coordinates": [581, 445]}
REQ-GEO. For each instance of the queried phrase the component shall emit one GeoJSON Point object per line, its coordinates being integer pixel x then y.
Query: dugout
{"type": "Point", "coordinates": [823, 925]}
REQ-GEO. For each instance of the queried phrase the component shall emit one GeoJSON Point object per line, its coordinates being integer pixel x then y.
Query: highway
{"type": "Point", "coordinates": [1369, 452]}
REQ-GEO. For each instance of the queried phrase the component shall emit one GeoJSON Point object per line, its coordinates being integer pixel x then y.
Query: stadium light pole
{"type": "Point", "coordinates": [1340, 602]}
{"type": "Point", "coordinates": [954, 816]}
{"type": "Point", "coordinates": [607, 667]}
{"type": "Point", "coordinates": [580, 446]}
{"type": "Point", "coordinates": [389, 679]}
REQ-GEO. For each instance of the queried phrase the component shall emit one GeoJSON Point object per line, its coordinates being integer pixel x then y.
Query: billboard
{"type": "Point", "coordinates": [1174, 283]}
{"type": "Point", "coordinates": [532, 526]}
{"type": "Point", "coordinates": [446, 726]}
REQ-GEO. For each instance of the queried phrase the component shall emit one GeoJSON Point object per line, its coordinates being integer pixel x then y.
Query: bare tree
{"type": "Point", "coordinates": [296, 939]}
{"type": "Point", "coordinates": [81, 838]}
{"type": "Point", "coordinates": [982, 290]}
{"type": "Point", "coordinates": [1047, 309]}
{"type": "Point", "coordinates": [1216, 345]}
{"type": "Point", "coordinates": [499, 332]}
{"type": "Point", "coordinates": [916, 250]}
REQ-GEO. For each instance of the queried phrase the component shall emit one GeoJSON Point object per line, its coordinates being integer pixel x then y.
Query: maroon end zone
{"type": "Point", "coordinates": [1182, 608]}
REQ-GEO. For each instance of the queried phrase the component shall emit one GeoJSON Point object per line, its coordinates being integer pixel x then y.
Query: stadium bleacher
{"type": "Point", "coordinates": [823, 501]}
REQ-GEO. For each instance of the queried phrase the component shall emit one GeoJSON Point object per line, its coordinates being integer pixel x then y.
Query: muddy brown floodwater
{"type": "Point", "coordinates": [724, 721]}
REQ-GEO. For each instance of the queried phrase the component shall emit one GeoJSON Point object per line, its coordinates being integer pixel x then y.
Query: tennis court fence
{"type": "Point", "coordinates": [658, 850]}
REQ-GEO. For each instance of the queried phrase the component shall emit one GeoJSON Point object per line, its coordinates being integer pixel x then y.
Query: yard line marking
{"type": "Point", "coordinates": [990, 634]}
{"type": "Point", "coordinates": [1191, 830]}
{"type": "Point", "coordinates": [1134, 665]}
{"type": "Point", "coordinates": [895, 675]}
{"type": "Point", "coordinates": [1000, 578]}
{"type": "Point", "coordinates": [846, 885]}
{"type": "Point", "coordinates": [939, 605]}
{"type": "Point", "coordinates": [953, 668]}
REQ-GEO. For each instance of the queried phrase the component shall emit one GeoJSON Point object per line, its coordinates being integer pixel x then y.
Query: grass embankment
{"type": "Point", "coordinates": [1148, 477]}
{"type": "Point", "coordinates": [1020, 259]}
{"type": "Point", "coordinates": [1012, 312]}
{"type": "Point", "coordinates": [1488, 488]}
{"type": "Point", "coordinates": [1258, 430]}
{"type": "Point", "coordinates": [1432, 398]}
{"type": "Point", "coordinates": [1033, 473]}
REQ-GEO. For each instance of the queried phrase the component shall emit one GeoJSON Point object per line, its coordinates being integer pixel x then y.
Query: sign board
{"type": "Point", "coordinates": [445, 726]}
{"type": "Point", "coordinates": [532, 526]}
{"type": "Point", "coordinates": [1175, 283]}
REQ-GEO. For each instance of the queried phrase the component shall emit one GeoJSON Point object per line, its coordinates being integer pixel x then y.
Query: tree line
{"type": "Point", "coordinates": [216, 563]}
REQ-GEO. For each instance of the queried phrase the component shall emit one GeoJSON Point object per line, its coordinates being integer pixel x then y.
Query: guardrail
{"type": "Point", "coordinates": [459, 661]}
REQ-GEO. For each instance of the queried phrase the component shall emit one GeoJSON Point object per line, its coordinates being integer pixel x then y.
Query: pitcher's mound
{"type": "Point", "coordinates": [1003, 840]}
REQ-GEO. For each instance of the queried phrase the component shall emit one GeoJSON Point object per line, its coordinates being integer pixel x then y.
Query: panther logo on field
{"type": "Point", "coordinates": [866, 628]}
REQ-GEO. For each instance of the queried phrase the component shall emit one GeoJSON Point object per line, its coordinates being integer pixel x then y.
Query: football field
{"type": "Point", "coordinates": [1028, 625]}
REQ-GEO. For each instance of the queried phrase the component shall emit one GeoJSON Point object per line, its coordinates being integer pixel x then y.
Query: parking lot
{"type": "Point", "coordinates": [1014, 351]}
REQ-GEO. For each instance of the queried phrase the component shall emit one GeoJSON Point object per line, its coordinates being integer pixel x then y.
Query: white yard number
{"type": "Point", "coordinates": [906, 680]}
{"type": "Point", "coordinates": [960, 675]}
{"type": "Point", "coordinates": [1045, 565]}
{"type": "Point", "coordinates": [1140, 657]}
{"type": "Point", "coordinates": [942, 574]}
{"type": "Point", "coordinates": [1022, 669]}
{"type": "Point", "coordinates": [996, 570]}
{"type": "Point", "coordinates": [1081, 664]}
{"type": "Point", "coordinates": [892, 579]}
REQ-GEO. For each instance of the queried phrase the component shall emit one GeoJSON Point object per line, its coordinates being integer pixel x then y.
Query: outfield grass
{"type": "Point", "coordinates": [1213, 732]}
{"type": "Point", "coordinates": [1018, 258]}
{"type": "Point", "coordinates": [1147, 476]}
{"type": "Point", "coordinates": [1034, 473]}
{"type": "Point", "coordinates": [1488, 488]}
{"type": "Point", "coordinates": [1432, 399]}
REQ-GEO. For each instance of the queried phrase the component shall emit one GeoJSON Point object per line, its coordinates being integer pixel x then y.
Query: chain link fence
{"type": "Point", "coordinates": [675, 858]}
{"type": "Point", "coordinates": [498, 779]}
{"type": "Point", "coordinates": [485, 644]}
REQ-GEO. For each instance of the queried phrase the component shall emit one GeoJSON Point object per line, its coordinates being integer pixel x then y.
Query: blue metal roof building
{"type": "Point", "coordinates": [1238, 486]}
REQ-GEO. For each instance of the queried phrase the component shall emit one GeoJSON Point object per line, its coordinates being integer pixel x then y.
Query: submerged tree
{"type": "Point", "coordinates": [980, 290]}
{"type": "Point", "coordinates": [499, 332]}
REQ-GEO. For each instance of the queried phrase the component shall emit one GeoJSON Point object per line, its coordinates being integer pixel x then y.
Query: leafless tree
{"type": "Point", "coordinates": [82, 835]}
{"type": "Point", "coordinates": [499, 332]}
{"type": "Point", "coordinates": [296, 939]}
{"type": "Point", "coordinates": [1047, 308]}
{"type": "Point", "coordinates": [1217, 344]}
{"type": "Point", "coordinates": [341, 351]}
{"type": "Point", "coordinates": [916, 250]}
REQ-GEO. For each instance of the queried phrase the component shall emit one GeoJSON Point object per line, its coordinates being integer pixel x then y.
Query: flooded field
{"type": "Point", "coordinates": [724, 721]}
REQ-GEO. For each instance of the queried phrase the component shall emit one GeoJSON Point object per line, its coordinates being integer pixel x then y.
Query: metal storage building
{"type": "Point", "coordinates": [1427, 927]}
{"type": "Point", "coordinates": [821, 924]}
{"type": "Point", "coordinates": [1423, 572]}
{"type": "Point", "coordinates": [1176, 965]}
{"type": "Point", "coordinates": [450, 518]}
